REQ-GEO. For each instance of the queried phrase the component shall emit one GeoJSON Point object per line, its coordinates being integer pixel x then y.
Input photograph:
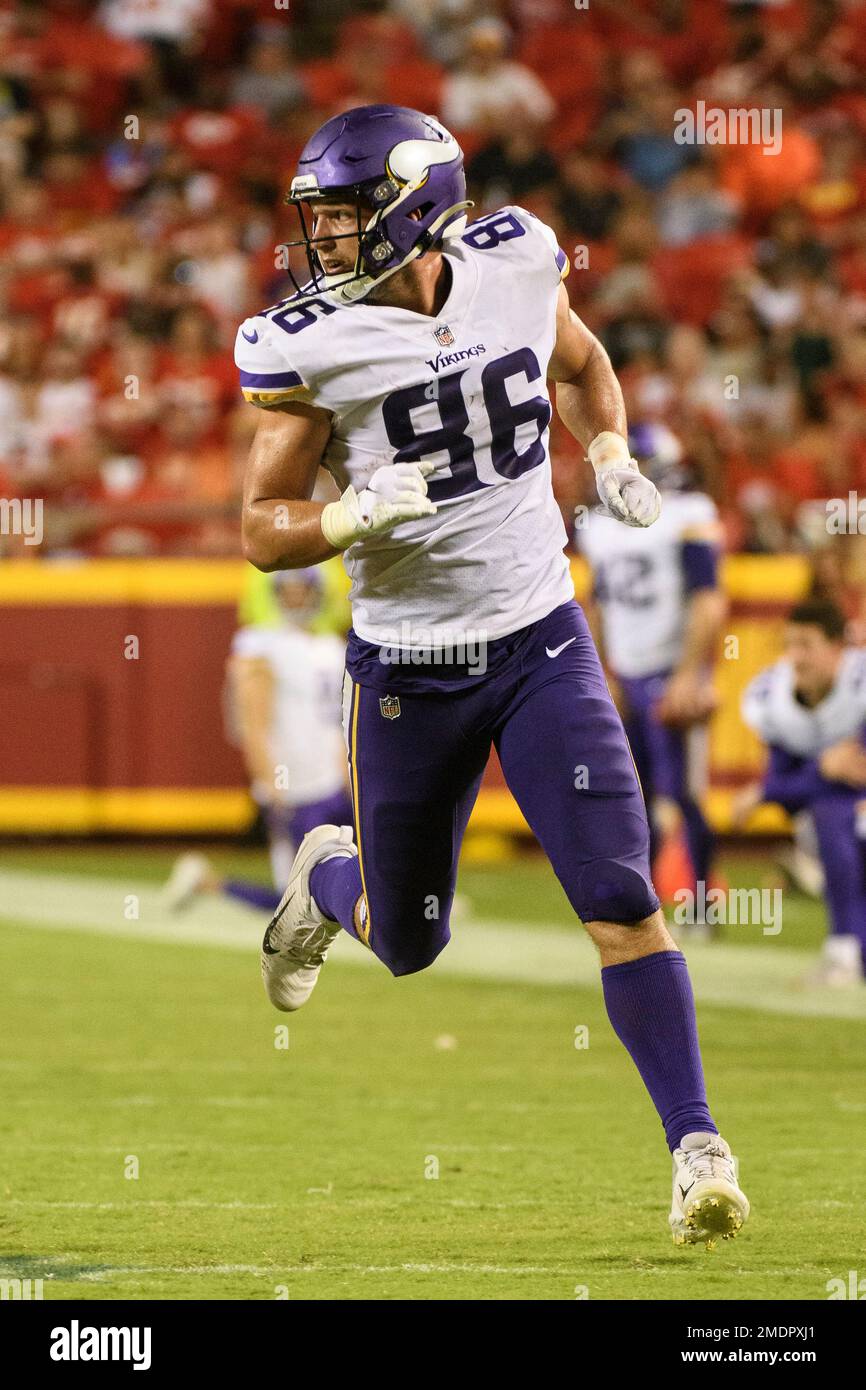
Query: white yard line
{"type": "Point", "coordinates": [45, 1204]}
{"type": "Point", "coordinates": [279, 1272]}
{"type": "Point", "coordinates": [764, 977]}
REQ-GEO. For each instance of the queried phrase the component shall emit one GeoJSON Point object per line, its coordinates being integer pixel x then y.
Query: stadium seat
{"type": "Point", "coordinates": [691, 277]}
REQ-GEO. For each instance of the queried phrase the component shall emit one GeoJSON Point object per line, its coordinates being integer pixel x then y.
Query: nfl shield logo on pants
{"type": "Point", "coordinates": [390, 707]}
{"type": "Point", "coordinates": [443, 335]}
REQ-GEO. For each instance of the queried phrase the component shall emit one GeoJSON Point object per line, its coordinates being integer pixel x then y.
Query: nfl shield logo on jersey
{"type": "Point", "coordinates": [390, 707]}
{"type": "Point", "coordinates": [443, 335]}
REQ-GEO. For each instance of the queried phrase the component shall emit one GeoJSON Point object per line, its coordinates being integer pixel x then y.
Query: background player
{"type": "Point", "coordinates": [810, 710]}
{"type": "Point", "coordinates": [284, 694]}
{"type": "Point", "coordinates": [417, 368]}
{"type": "Point", "coordinates": [659, 616]}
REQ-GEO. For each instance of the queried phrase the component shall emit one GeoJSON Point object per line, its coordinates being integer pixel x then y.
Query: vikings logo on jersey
{"type": "Point", "coordinates": [480, 418]}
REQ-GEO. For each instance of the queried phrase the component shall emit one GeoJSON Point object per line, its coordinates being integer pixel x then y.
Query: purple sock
{"type": "Point", "coordinates": [652, 1011]}
{"type": "Point", "coordinates": [253, 894]}
{"type": "Point", "coordinates": [336, 887]}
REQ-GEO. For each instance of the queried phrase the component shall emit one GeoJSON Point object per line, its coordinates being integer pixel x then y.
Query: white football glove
{"type": "Point", "coordinates": [625, 492]}
{"type": "Point", "coordinates": [396, 492]}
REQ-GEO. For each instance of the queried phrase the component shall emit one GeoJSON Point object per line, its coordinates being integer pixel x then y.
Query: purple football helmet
{"type": "Point", "coordinates": [392, 162]}
{"type": "Point", "coordinates": [660, 454]}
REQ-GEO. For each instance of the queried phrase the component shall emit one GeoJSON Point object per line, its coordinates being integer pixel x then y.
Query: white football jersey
{"type": "Point", "coordinates": [306, 733]}
{"type": "Point", "coordinates": [465, 391]}
{"type": "Point", "coordinates": [640, 582]}
{"type": "Point", "coordinates": [771, 708]}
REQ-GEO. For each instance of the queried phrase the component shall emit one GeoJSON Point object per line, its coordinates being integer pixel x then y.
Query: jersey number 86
{"type": "Point", "coordinates": [452, 434]}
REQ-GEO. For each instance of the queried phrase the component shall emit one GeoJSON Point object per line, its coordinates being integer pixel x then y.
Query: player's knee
{"type": "Point", "coordinates": [610, 891]}
{"type": "Point", "coordinates": [407, 943]}
{"type": "Point", "coordinates": [407, 958]}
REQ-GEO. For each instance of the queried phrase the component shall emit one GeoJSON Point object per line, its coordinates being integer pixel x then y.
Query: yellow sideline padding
{"type": "Point", "coordinates": [747, 579]}
{"type": "Point", "coordinates": [496, 810]}
{"type": "Point", "coordinates": [124, 810]}
{"type": "Point", "coordinates": [227, 811]}
{"type": "Point", "coordinates": [96, 582]}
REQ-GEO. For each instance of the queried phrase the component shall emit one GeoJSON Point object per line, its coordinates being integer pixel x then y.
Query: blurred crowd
{"type": "Point", "coordinates": [145, 147]}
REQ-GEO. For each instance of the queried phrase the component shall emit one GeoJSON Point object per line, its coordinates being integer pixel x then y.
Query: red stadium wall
{"type": "Point", "coordinates": [110, 686]}
{"type": "Point", "coordinates": [101, 734]}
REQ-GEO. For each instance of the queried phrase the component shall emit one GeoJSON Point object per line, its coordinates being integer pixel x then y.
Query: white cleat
{"type": "Point", "coordinates": [297, 939]}
{"type": "Point", "coordinates": [190, 876]}
{"type": "Point", "coordinates": [840, 966]}
{"type": "Point", "coordinates": [707, 1200]}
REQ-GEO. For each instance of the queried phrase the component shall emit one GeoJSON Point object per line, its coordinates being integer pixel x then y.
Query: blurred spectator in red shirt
{"type": "Point", "coordinates": [129, 400]}
{"type": "Point", "coordinates": [194, 371]}
{"type": "Point", "coordinates": [216, 135]}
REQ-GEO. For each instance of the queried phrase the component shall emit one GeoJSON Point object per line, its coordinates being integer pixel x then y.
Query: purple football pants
{"type": "Point", "coordinates": [843, 857]}
{"type": "Point", "coordinates": [415, 770]}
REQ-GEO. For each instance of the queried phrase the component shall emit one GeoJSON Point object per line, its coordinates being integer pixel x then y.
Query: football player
{"type": "Point", "coordinates": [810, 710]}
{"type": "Point", "coordinates": [412, 365]}
{"type": "Point", "coordinates": [284, 687]}
{"type": "Point", "coordinates": [661, 611]}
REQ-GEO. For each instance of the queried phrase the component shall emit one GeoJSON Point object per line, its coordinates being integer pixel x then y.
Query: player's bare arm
{"type": "Point", "coordinates": [588, 395]}
{"type": "Point", "coordinates": [844, 762]}
{"type": "Point", "coordinates": [282, 527]}
{"type": "Point", "coordinates": [590, 404]}
{"type": "Point", "coordinates": [252, 685]}
{"type": "Point", "coordinates": [690, 696]}
{"type": "Point", "coordinates": [707, 611]}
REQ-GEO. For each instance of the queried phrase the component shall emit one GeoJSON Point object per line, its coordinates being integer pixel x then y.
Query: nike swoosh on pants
{"type": "Point", "coordinates": [557, 650]}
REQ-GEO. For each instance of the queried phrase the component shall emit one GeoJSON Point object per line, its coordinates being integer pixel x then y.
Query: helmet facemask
{"type": "Point", "coordinates": [379, 234]}
{"type": "Point", "coordinates": [320, 280]}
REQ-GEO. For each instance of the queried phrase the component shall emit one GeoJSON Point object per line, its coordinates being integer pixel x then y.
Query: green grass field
{"type": "Point", "coordinates": [436, 1137]}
